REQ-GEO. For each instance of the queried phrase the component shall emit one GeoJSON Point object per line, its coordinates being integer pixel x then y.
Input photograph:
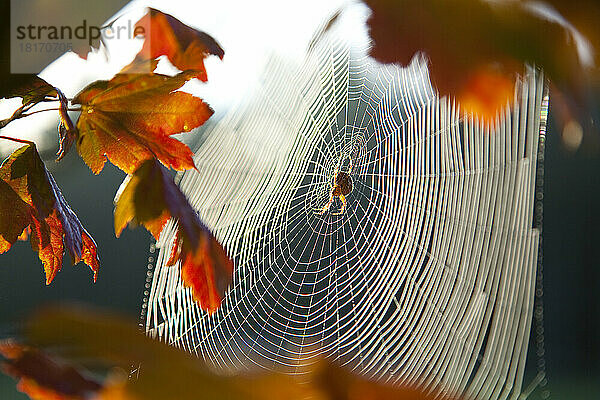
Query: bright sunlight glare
{"type": "Point", "coordinates": [247, 31]}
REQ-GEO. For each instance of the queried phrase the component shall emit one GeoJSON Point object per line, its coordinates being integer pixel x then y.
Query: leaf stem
{"type": "Point", "coordinates": [16, 139]}
{"type": "Point", "coordinates": [21, 112]}
{"type": "Point", "coordinates": [16, 115]}
{"type": "Point", "coordinates": [46, 109]}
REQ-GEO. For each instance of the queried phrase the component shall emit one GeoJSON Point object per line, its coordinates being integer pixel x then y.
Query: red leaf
{"type": "Point", "coordinates": [130, 118]}
{"type": "Point", "coordinates": [150, 197]}
{"type": "Point", "coordinates": [77, 240]}
{"type": "Point", "coordinates": [205, 267]}
{"type": "Point", "coordinates": [185, 47]}
{"type": "Point", "coordinates": [36, 203]}
{"type": "Point", "coordinates": [43, 377]}
{"type": "Point", "coordinates": [47, 239]}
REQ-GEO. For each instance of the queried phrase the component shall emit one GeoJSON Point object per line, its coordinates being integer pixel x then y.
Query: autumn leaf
{"type": "Point", "coordinates": [140, 66]}
{"type": "Point", "coordinates": [185, 47]}
{"type": "Point", "coordinates": [30, 199]}
{"type": "Point", "coordinates": [130, 118]}
{"type": "Point", "coordinates": [205, 267]}
{"type": "Point", "coordinates": [337, 383]}
{"type": "Point", "coordinates": [477, 48]}
{"type": "Point", "coordinates": [34, 91]}
{"type": "Point", "coordinates": [42, 376]}
{"type": "Point", "coordinates": [14, 216]}
{"type": "Point", "coordinates": [66, 130]}
{"type": "Point", "coordinates": [486, 90]}
{"type": "Point", "coordinates": [150, 197]}
{"type": "Point", "coordinates": [103, 340]}
{"type": "Point", "coordinates": [165, 372]}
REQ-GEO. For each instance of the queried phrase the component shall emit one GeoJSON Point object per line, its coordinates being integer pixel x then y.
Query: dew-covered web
{"type": "Point", "coordinates": [428, 276]}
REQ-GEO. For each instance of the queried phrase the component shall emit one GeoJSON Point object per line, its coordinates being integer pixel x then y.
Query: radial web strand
{"type": "Point", "coordinates": [428, 276]}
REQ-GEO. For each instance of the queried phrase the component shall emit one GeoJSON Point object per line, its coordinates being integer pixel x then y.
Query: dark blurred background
{"type": "Point", "coordinates": [571, 256]}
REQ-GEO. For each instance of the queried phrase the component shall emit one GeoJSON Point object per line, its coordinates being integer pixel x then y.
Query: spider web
{"type": "Point", "coordinates": [426, 279]}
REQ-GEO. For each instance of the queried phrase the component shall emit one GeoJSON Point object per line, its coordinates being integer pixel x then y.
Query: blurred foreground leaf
{"type": "Point", "coordinates": [476, 47]}
{"type": "Point", "coordinates": [41, 376]}
{"type": "Point", "coordinates": [81, 339]}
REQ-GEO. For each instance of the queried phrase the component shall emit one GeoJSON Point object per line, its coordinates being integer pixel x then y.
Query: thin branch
{"type": "Point", "coordinates": [47, 109]}
{"type": "Point", "coordinates": [16, 115]}
{"type": "Point", "coordinates": [20, 113]}
{"type": "Point", "coordinates": [15, 139]}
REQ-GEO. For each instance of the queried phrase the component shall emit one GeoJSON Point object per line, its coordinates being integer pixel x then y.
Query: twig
{"type": "Point", "coordinates": [16, 115]}
{"type": "Point", "coordinates": [47, 109]}
{"type": "Point", "coordinates": [21, 111]}
{"type": "Point", "coordinates": [16, 140]}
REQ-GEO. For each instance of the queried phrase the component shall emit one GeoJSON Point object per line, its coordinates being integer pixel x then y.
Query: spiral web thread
{"type": "Point", "coordinates": [426, 279]}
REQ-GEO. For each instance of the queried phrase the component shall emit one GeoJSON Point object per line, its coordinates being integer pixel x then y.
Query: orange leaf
{"type": "Point", "coordinates": [130, 118]}
{"type": "Point", "coordinates": [185, 47]}
{"type": "Point", "coordinates": [89, 253]}
{"type": "Point", "coordinates": [486, 90]}
{"type": "Point", "coordinates": [339, 383]}
{"type": "Point", "coordinates": [205, 268]}
{"type": "Point", "coordinates": [47, 239]}
{"type": "Point", "coordinates": [150, 197]}
{"type": "Point", "coordinates": [25, 234]}
{"type": "Point", "coordinates": [35, 202]}
{"type": "Point", "coordinates": [25, 173]}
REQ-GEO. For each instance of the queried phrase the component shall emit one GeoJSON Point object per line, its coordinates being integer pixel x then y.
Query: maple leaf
{"type": "Point", "coordinates": [36, 203]}
{"type": "Point", "coordinates": [130, 118]}
{"type": "Point", "coordinates": [185, 47]}
{"type": "Point", "coordinates": [150, 197]}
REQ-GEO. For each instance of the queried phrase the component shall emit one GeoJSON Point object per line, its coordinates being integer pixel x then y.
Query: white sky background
{"type": "Point", "coordinates": [247, 31]}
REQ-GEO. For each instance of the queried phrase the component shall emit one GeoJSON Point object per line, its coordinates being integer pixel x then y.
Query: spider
{"type": "Point", "coordinates": [342, 185]}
